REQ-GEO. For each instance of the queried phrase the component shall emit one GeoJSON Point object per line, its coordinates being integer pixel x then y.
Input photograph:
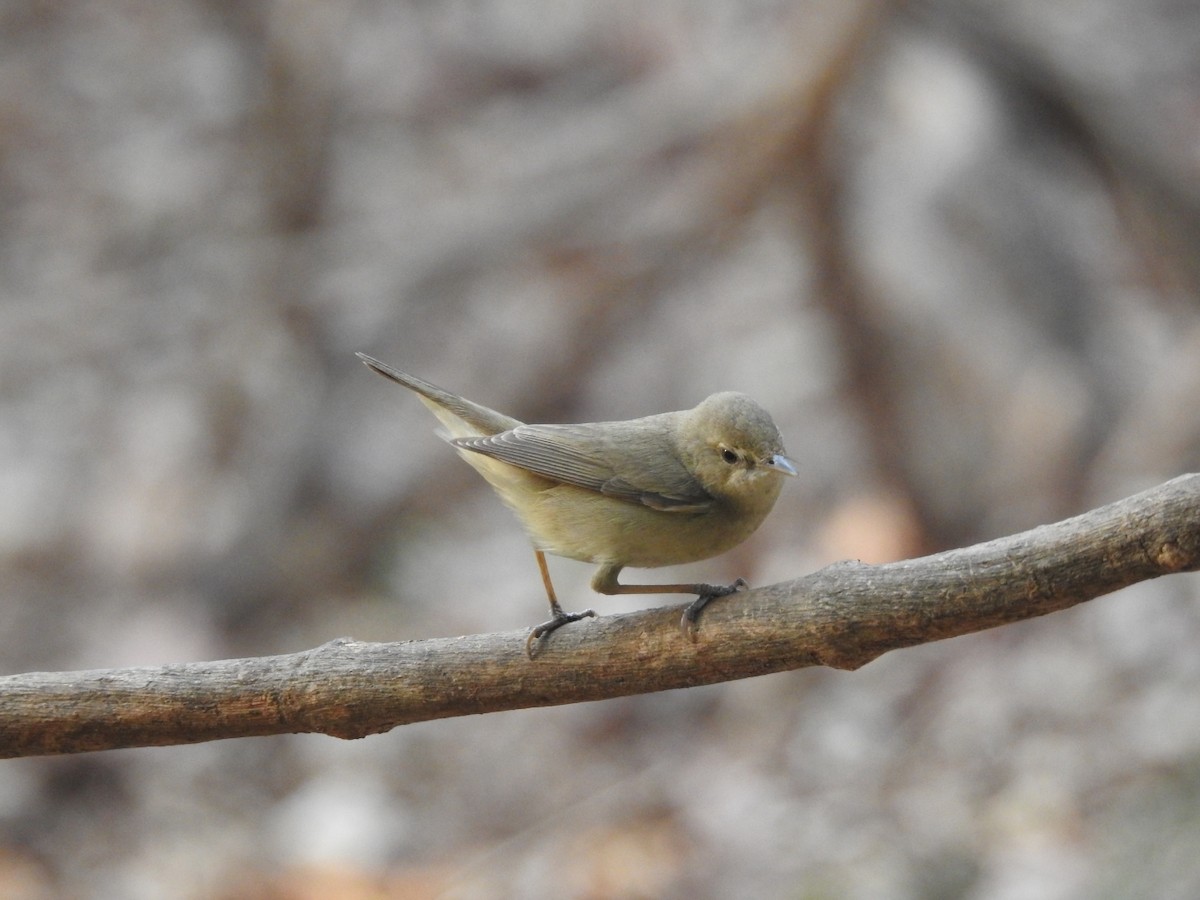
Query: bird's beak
{"type": "Point", "coordinates": [782, 465]}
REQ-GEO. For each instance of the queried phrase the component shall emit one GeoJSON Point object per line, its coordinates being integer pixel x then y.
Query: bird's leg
{"type": "Point", "coordinates": [705, 594]}
{"type": "Point", "coordinates": [605, 582]}
{"type": "Point", "coordinates": [558, 617]}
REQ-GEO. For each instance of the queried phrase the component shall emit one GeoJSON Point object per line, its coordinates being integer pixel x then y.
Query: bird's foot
{"type": "Point", "coordinates": [706, 593]}
{"type": "Point", "coordinates": [533, 642]}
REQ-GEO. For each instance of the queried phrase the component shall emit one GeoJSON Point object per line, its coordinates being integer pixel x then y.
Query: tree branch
{"type": "Point", "coordinates": [843, 616]}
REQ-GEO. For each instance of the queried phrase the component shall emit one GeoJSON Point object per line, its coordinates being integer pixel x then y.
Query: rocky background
{"type": "Point", "coordinates": [953, 247]}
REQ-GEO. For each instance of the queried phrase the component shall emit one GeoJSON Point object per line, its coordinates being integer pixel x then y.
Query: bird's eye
{"type": "Point", "coordinates": [729, 456]}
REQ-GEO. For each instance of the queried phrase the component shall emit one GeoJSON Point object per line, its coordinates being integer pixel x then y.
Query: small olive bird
{"type": "Point", "coordinates": [656, 491]}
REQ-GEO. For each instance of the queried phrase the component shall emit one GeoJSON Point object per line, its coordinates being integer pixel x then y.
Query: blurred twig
{"type": "Point", "coordinates": [842, 616]}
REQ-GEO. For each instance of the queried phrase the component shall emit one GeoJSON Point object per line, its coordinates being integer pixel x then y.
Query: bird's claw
{"type": "Point", "coordinates": [546, 628]}
{"type": "Point", "coordinates": [710, 592]}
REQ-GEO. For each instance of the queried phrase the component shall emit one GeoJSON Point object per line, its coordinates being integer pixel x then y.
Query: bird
{"type": "Point", "coordinates": [660, 490]}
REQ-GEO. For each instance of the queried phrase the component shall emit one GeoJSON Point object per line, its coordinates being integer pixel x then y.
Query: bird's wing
{"type": "Point", "coordinates": [640, 467]}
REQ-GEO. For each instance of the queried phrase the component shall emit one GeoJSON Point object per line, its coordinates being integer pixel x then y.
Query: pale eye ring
{"type": "Point", "coordinates": [729, 455]}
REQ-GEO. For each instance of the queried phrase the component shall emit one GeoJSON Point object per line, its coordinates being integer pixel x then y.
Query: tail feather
{"type": "Point", "coordinates": [459, 416]}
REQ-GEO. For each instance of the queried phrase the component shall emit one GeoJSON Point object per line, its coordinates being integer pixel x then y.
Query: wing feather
{"type": "Point", "coordinates": [639, 466]}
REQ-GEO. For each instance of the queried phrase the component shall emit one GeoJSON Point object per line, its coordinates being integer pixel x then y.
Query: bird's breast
{"type": "Point", "coordinates": [587, 526]}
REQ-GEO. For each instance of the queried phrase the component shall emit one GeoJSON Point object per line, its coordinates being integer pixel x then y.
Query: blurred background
{"type": "Point", "coordinates": [954, 247]}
